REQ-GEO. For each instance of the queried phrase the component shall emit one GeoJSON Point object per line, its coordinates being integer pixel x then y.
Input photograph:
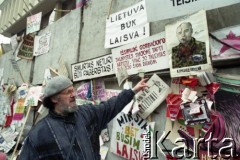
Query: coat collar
{"type": "Point", "coordinates": [70, 118]}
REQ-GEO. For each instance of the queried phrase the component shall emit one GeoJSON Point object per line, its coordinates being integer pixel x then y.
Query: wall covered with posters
{"type": "Point", "coordinates": [80, 37]}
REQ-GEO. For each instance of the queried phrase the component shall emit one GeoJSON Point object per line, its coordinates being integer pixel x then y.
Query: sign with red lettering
{"type": "Point", "coordinates": [127, 26]}
{"type": "Point", "coordinates": [98, 67]}
{"type": "Point", "coordinates": [145, 55]}
{"type": "Point", "coordinates": [128, 139]}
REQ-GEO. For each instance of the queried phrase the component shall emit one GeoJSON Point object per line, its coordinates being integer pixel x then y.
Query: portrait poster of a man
{"type": "Point", "coordinates": [188, 45]}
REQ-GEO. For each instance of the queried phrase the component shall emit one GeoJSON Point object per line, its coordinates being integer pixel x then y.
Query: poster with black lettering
{"type": "Point", "coordinates": [127, 138]}
{"type": "Point", "coordinates": [188, 45]}
{"type": "Point", "coordinates": [149, 54]}
{"type": "Point", "coordinates": [150, 98]}
{"type": "Point", "coordinates": [165, 9]}
{"type": "Point", "coordinates": [94, 68]}
{"type": "Point", "coordinates": [127, 26]}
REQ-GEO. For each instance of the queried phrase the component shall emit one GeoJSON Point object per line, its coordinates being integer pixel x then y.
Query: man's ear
{"type": "Point", "coordinates": [54, 99]}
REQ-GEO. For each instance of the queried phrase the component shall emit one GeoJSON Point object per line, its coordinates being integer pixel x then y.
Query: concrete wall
{"type": "Point", "coordinates": [79, 37]}
{"type": "Point", "coordinates": [64, 42]}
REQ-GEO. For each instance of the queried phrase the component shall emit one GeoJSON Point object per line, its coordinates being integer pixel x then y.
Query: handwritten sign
{"type": "Point", "coordinates": [33, 23]}
{"type": "Point", "coordinates": [41, 44]}
{"type": "Point", "coordinates": [127, 140]}
{"type": "Point", "coordinates": [127, 26]}
{"type": "Point", "coordinates": [150, 98]}
{"type": "Point", "coordinates": [164, 9]}
{"type": "Point", "coordinates": [146, 55]}
{"type": "Point", "coordinates": [98, 67]}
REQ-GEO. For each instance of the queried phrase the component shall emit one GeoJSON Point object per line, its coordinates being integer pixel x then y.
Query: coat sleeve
{"type": "Point", "coordinates": [106, 111]}
{"type": "Point", "coordinates": [28, 152]}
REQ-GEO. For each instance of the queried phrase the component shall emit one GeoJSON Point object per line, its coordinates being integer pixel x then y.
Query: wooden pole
{"type": "Point", "coordinates": [110, 8]}
{"type": "Point", "coordinates": [20, 134]}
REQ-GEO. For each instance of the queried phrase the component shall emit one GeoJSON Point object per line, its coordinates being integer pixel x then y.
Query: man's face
{"type": "Point", "coordinates": [66, 102]}
{"type": "Point", "coordinates": [184, 33]}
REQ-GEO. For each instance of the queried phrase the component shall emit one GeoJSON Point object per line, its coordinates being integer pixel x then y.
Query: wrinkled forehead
{"type": "Point", "coordinates": [182, 27]}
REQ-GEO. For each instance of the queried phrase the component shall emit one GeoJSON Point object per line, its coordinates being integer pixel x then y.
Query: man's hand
{"type": "Point", "coordinates": [140, 85]}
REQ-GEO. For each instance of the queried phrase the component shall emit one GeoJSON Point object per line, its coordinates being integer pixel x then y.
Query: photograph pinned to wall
{"type": "Point", "coordinates": [34, 23]}
{"type": "Point", "coordinates": [150, 98]}
{"type": "Point", "coordinates": [188, 48]}
{"type": "Point", "coordinates": [225, 43]}
{"type": "Point", "coordinates": [41, 44]}
{"type": "Point", "coordinates": [149, 54]}
{"type": "Point", "coordinates": [126, 26]}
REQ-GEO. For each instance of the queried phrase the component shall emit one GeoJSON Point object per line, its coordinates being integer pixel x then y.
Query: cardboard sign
{"type": "Point", "coordinates": [164, 9]}
{"type": "Point", "coordinates": [188, 45]}
{"type": "Point", "coordinates": [150, 98]}
{"type": "Point", "coordinates": [93, 68]}
{"type": "Point", "coordinates": [127, 26]}
{"type": "Point", "coordinates": [146, 55]}
{"type": "Point", "coordinates": [127, 140]}
{"type": "Point", "coordinates": [33, 23]}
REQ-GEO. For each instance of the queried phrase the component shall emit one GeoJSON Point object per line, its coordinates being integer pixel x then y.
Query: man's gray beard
{"type": "Point", "coordinates": [67, 110]}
